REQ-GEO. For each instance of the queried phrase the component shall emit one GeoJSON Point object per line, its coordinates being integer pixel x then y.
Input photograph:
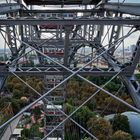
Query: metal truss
{"type": "Point", "coordinates": [56, 71]}
{"type": "Point", "coordinates": [70, 35]}
{"type": "Point", "coordinates": [79, 106]}
{"type": "Point", "coordinates": [84, 21]}
{"type": "Point", "coordinates": [9, 7]}
{"type": "Point", "coordinates": [132, 9]}
{"type": "Point", "coordinates": [2, 82]}
{"type": "Point", "coordinates": [61, 2]}
{"type": "Point", "coordinates": [11, 30]}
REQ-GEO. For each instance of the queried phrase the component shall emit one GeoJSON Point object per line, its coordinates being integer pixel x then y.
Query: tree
{"type": "Point", "coordinates": [86, 138]}
{"type": "Point", "coordinates": [113, 86]}
{"type": "Point", "coordinates": [100, 99]}
{"type": "Point", "coordinates": [35, 83]}
{"type": "Point", "coordinates": [23, 138]}
{"type": "Point", "coordinates": [69, 108]}
{"type": "Point", "coordinates": [41, 86]}
{"type": "Point", "coordinates": [120, 122]}
{"type": "Point", "coordinates": [17, 93]}
{"type": "Point", "coordinates": [72, 136]}
{"type": "Point", "coordinates": [78, 92]}
{"type": "Point", "coordinates": [73, 92]}
{"type": "Point", "coordinates": [121, 135]}
{"type": "Point", "coordinates": [83, 114]}
{"type": "Point", "coordinates": [9, 85]}
{"type": "Point", "coordinates": [100, 127]}
{"type": "Point", "coordinates": [34, 131]}
{"type": "Point", "coordinates": [73, 87]}
{"type": "Point", "coordinates": [15, 105]}
{"type": "Point", "coordinates": [25, 133]}
{"type": "Point", "coordinates": [37, 112]}
{"type": "Point", "coordinates": [86, 91]}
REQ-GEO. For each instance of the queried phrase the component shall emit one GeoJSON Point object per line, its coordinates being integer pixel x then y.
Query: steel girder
{"type": "Point", "coordinates": [127, 8]}
{"type": "Point", "coordinates": [133, 88]}
{"type": "Point", "coordinates": [2, 81]}
{"type": "Point", "coordinates": [54, 70]}
{"type": "Point", "coordinates": [61, 2]}
{"type": "Point", "coordinates": [130, 81]}
{"type": "Point", "coordinates": [57, 42]}
{"type": "Point", "coordinates": [9, 7]}
{"type": "Point", "coordinates": [63, 11]}
{"type": "Point", "coordinates": [115, 33]}
{"type": "Point", "coordinates": [11, 30]}
{"type": "Point", "coordinates": [85, 21]}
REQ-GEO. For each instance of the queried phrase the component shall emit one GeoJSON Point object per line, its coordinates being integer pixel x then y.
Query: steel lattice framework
{"type": "Point", "coordinates": [57, 41]}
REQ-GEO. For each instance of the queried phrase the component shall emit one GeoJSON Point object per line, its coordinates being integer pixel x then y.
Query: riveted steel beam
{"type": "Point", "coordinates": [127, 8]}
{"type": "Point", "coordinates": [82, 21]}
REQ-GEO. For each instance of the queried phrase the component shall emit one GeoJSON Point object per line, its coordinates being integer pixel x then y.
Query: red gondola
{"type": "Point", "coordinates": [54, 52]}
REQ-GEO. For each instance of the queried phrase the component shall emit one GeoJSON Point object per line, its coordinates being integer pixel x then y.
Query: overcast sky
{"type": "Point", "coordinates": [127, 1]}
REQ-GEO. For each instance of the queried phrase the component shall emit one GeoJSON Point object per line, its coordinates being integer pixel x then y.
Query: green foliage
{"type": "Point", "coordinates": [81, 116]}
{"type": "Point", "coordinates": [120, 135]}
{"type": "Point", "coordinates": [100, 127]}
{"type": "Point", "coordinates": [9, 85]}
{"type": "Point", "coordinates": [72, 136]}
{"type": "Point", "coordinates": [23, 138]}
{"type": "Point", "coordinates": [37, 84]}
{"type": "Point", "coordinates": [114, 105]}
{"type": "Point", "coordinates": [17, 93]}
{"type": "Point", "coordinates": [78, 92]}
{"type": "Point", "coordinates": [120, 122]}
{"type": "Point", "coordinates": [25, 133]}
{"type": "Point", "coordinates": [3, 101]}
{"type": "Point", "coordinates": [15, 105]}
{"type": "Point", "coordinates": [113, 86]}
{"type": "Point", "coordinates": [86, 138]}
{"type": "Point", "coordinates": [20, 96]}
{"type": "Point", "coordinates": [15, 86]}
{"type": "Point", "coordinates": [69, 108]}
{"type": "Point", "coordinates": [73, 88]}
{"type": "Point", "coordinates": [34, 131]}
{"type": "Point", "coordinates": [37, 112]}
{"type": "Point", "coordinates": [138, 76]}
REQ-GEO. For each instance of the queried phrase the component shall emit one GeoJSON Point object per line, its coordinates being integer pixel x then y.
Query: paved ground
{"type": "Point", "coordinates": [10, 129]}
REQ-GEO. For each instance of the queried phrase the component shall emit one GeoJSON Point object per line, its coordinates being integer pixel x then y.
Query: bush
{"type": "Point", "coordinates": [121, 135]}
{"type": "Point", "coordinates": [101, 128]}
{"type": "Point", "coordinates": [15, 105]}
{"type": "Point", "coordinates": [120, 122]}
{"type": "Point", "coordinates": [25, 133]}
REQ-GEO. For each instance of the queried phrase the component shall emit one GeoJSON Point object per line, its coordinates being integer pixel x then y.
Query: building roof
{"type": "Point", "coordinates": [54, 138]}
{"type": "Point", "coordinates": [17, 131]}
{"type": "Point", "coordinates": [134, 122]}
